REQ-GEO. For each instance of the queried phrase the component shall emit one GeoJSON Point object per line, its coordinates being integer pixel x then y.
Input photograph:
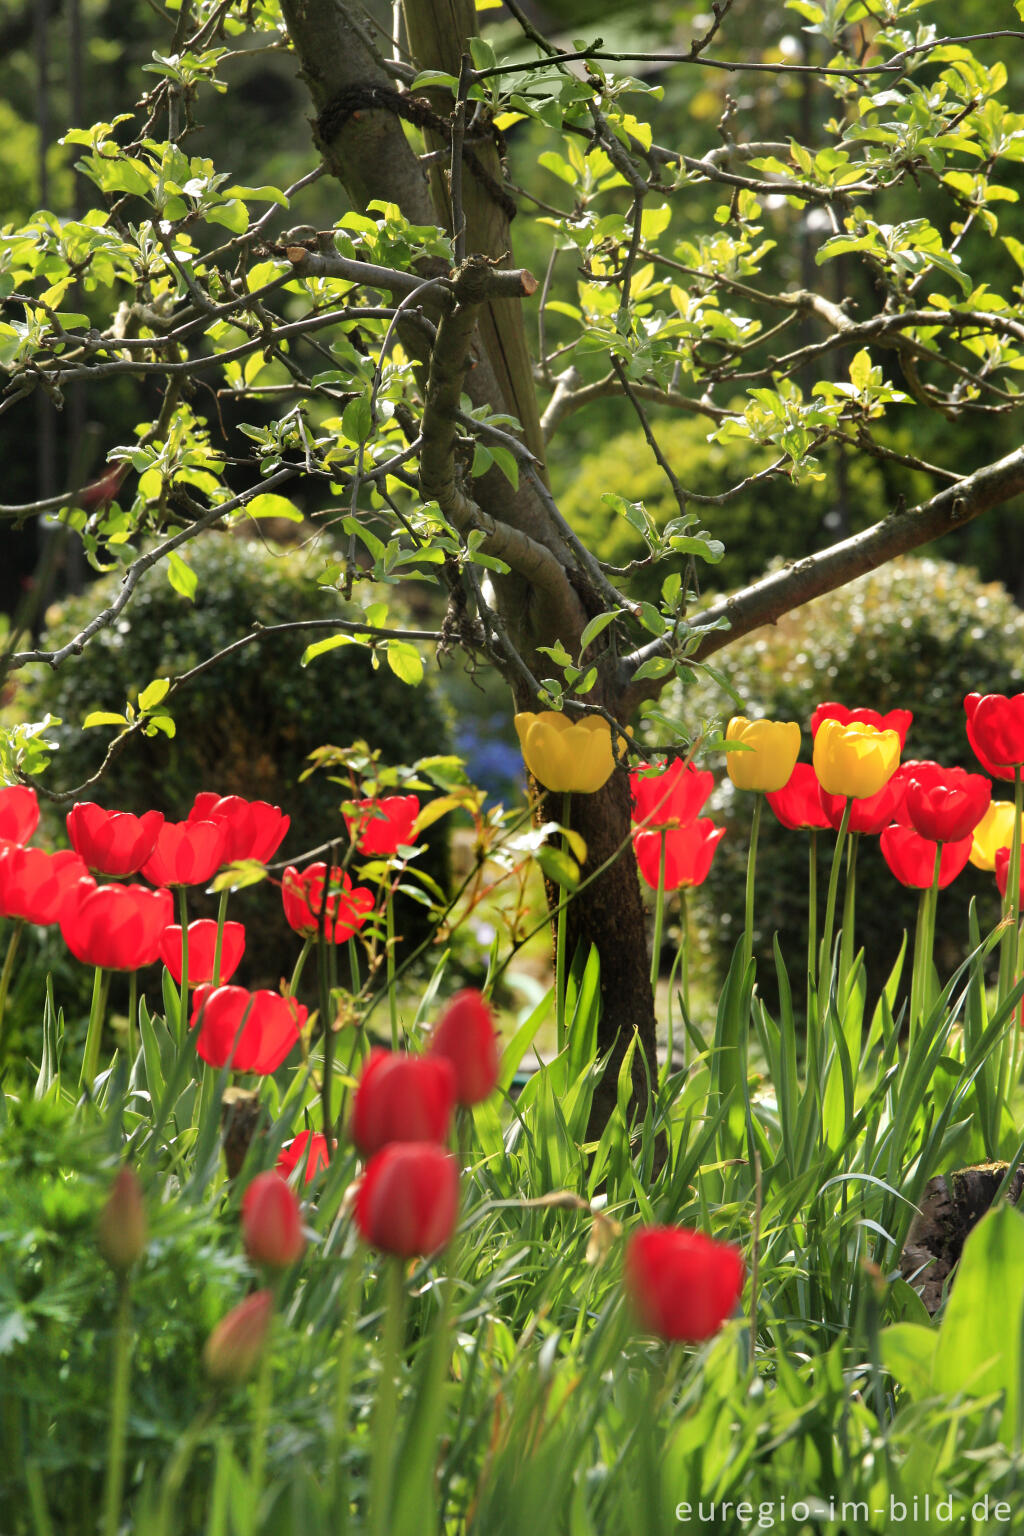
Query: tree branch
{"type": "Point", "coordinates": [765, 601]}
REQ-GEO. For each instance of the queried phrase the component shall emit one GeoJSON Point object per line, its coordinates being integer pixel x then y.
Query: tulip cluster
{"type": "Point", "coordinates": [407, 1201]}
{"type": "Point", "coordinates": [668, 825]}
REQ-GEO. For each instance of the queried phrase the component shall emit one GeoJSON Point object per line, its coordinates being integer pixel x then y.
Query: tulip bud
{"type": "Point", "coordinates": [233, 1350]}
{"type": "Point", "coordinates": [465, 1037]}
{"type": "Point", "coordinates": [272, 1222]}
{"type": "Point", "coordinates": [121, 1230]}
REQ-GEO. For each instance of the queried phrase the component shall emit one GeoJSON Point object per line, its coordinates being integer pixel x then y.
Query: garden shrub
{"type": "Point", "coordinates": [245, 726]}
{"type": "Point", "coordinates": [753, 526]}
{"type": "Point", "coordinates": [918, 634]}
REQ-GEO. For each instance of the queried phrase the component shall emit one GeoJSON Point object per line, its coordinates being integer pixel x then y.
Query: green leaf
{"type": "Point", "coordinates": [860, 369]}
{"type": "Point", "coordinates": [597, 626]}
{"type": "Point", "coordinates": [405, 662]}
{"type": "Point", "coordinates": [558, 866]}
{"type": "Point", "coordinates": [154, 692]}
{"type": "Point", "coordinates": [101, 717]}
{"type": "Point", "coordinates": [268, 505]}
{"type": "Point", "coordinates": [980, 1344]}
{"type": "Point", "coordinates": [321, 647]}
{"type": "Point", "coordinates": [357, 420]}
{"type": "Point", "coordinates": [181, 576]}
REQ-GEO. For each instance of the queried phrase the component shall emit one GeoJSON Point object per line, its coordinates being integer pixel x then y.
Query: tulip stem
{"type": "Point", "coordinates": [560, 938]}
{"type": "Point", "coordinates": [296, 976]}
{"type": "Point", "coordinates": [183, 1011]}
{"type": "Point", "coordinates": [338, 1508]}
{"type": "Point", "coordinates": [386, 1408]}
{"type": "Point", "coordinates": [849, 912]}
{"type": "Point", "coordinates": [825, 954]}
{"type": "Point", "coordinates": [1015, 933]}
{"type": "Point", "coordinates": [327, 1025]}
{"type": "Point", "coordinates": [812, 918]}
{"type": "Point", "coordinates": [113, 1492]}
{"type": "Point", "coordinates": [133, 1014]}
{"type": "Point", "coordinates": [7, 973]}
{"type": "Point", "coordinates": [97, 1010]}
{"type": "Point", "coordinates": [260, 1424]}
{"type": "Point", "coordinates": [222, 913]}
{"type": "Point", "coordinates": [389, 955]}
{"type": "Point", "coordinates": [659, 917]}
{"type": "Point", "coordinates": [748, 921]}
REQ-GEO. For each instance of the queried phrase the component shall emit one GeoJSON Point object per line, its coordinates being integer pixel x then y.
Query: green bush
{"type": "Point", "coordinates": [768, 519]}
{"type": "Point", "coordinates": [245, 726]}
{"type": "Point", "coordinates": [918, 634]}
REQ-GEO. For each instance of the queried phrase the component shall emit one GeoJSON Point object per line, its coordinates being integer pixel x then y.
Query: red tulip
{"type": "Point", "coordinates": [912, 857]}
{"type": "Point", "coordinates": [186, 853]}
{"type": "Point", "coordinates": [307, 1150]}
{"type": "Point", "coordinates": [408, 1199]}
{"type": "Point", "coordinates": [34, 884]}
{"type": "Point", "coordinates": [898, 720]}
{"type": "Point", "coordinates": [19, 813]}
{"type": "Point", "coordinates": [233, 1350]}
{"type": "Point", "coordinates": [670, 797]}
{"type": "Point", "coordinates": [945, 804]}
{"type": "Point", "coordinates": [688, 853]}
{"type": "Point", "coordinates": [995, 730]}
{"type": "Point", "coordinates": [465, 1037]}
{"type": "Point", "coordinates": [272, 1222]}
{"type": "Point", "coordinates": [402, 1098]}
{"type": "Point", "coordinates": [797, 804]}
{"type": "Point", "coordinates": [682, 1285]}
{"type": "Point", "coordinates": [377, 827]}
{"type": "Point", "coordinates": [253, 1031]}
{"type": "Point", "coordinates": [342, 913]}
{"type": "Point", "coordinates": [202, 944]}
{"type": "Point", "coordinates": [117, 927]}
{"type": "Point", "coordinates": [1002, 872]}
{"type": "Point", "coordinates": [113, 842]}
{"type": "Point", "coordinates": [871, 814]}
{"type": "Point", "coordinates": [254, 829]}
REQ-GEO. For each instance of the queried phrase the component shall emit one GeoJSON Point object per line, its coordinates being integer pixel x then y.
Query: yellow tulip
{"type": "Point", "coordinates": [775, 746]}
{"type": "Point", "coordinates": [856, 760]}
{"type": "Point", "coordinates": [994, 831]}
{"type": "Point", "coordinates": [572, 756]}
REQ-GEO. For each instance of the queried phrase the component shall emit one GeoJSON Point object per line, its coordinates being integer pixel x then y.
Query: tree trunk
{"type": "Point", "coordinates": [369, 153]}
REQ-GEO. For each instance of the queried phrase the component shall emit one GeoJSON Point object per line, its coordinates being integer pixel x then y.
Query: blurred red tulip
{"type": "Point", "coordinates": [912, 857]}
{"type": "Point", "coordinates": [186, 853]}
{"type": "Point", "coordinates": [681, 1284]}
{"type": "Point", "coordinates": [402, 1098]}
{"type": "Point", "coordinates": [995, 730]}
{"type": "Point", "coordinates": [35, 884]}
{"type": "Point", "coordinates": [465, 1037]}
{"type": "Point", "coordinates": [797, 805]}
{"type": "Point", "coordinates": [308, 1150]}
{"type": "Point", "coordinates": [121, 1231]}
{"type": "Point", "coordinates": [377, 827]}
{"type": "Point", "coordinates": [202, 945]}
{"type": "Point", "coordinates": [688, 854]}
{"type": "Point", "coordinates": [898, 720]}
{"type": "Point", "coordinates": [343, 912]}
{"type": "Point", "coordinates": [19, 813]}
{"type": "Point", "coordinates": [669, 797]}
{"type": "Point", "coordinates": [254, 829]}
{"type": "Point", "coordinates": [408, 1199]}
{"type": "Point", "coordinates": [945, 804]}
{"type": "Point", "coordinates": [233, 1350]}
{"type": "Point", "coordinates": [272, 1222]}
{"type": "Point", "coordinates": [254, 1031]}
{"type": "Point", "coordinates": [112, 842]}
{"type": "Point", "coordinates": [117, 927]}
